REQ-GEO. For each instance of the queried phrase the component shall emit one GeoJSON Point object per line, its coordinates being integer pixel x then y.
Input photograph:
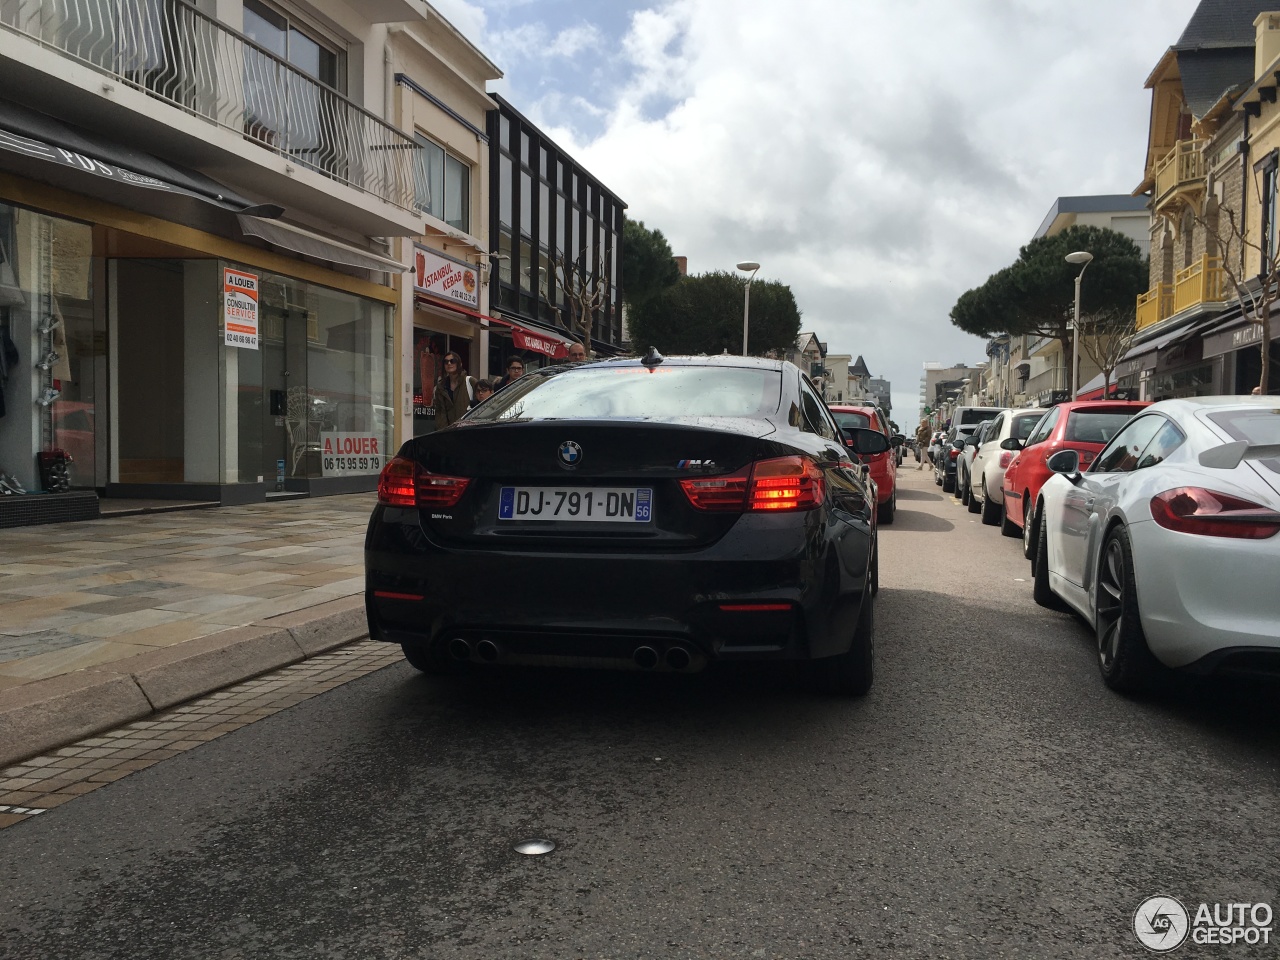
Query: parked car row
{"type": "Point", "coordinates": [1158, 524]}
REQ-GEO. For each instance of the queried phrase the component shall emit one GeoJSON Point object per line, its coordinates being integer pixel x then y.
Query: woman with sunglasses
{"type": "Point", "coordinates": [453, 392]}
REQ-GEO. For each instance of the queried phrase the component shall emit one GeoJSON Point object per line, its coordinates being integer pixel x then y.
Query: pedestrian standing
{"type": "Point", "coordinates": [515, 370]}
{"type": "Point", "coordinates": [922, 443]}
{"type": "Point", "coordinates": [454, 391]}
{"type": "Point", "coordinates": [483, 391]}
{"type": "Point", "coordinates": [577, 352]}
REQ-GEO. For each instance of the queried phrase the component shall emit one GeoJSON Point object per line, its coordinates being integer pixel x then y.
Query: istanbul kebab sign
{"type": "Point", "coordinates": [441, 277]}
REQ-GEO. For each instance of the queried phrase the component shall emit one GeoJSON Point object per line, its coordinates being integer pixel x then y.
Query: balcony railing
{"type": "Point", "coordinates": [1203, 282]}
{"type": "Point", "coordinates": [177, 54]}
{"type": "Point", "coordinates": [1055, 378]}
{"type": "Point", "coordinates": [1155, 305]}
{"type": "Point", "coordinates": [1184, 165]}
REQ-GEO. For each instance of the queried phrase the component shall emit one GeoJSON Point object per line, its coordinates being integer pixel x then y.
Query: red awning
{"type": "Point", "coordinates": [419, 299]}
{"type": "Point", "coordinates": [547, 343]}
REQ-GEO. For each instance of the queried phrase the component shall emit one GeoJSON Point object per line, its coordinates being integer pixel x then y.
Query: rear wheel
{"type": "Point", "coordinates": [964, 491]}
{"type": "Point", "coordinates": [975, 505]}
{"type": "Point", "coordinates": [422, 656]}
{"type": "Point", "coordinates": [1040, 590]}
{"type": "Point", "coordinates": [875, 569]}
{"type": "Point", "coordinates": [1007, 527]}
{"type": "Point", "coordinates": [1124, 658]}
{"type": "Point", "coordinates": [1029, 527]}
{"type": "Point", "coordinates": [948, 483]}
{"type": "Point", "coordinates": [990, 509]}
{"type": "Point", "coordinates": [888, 509]}
{"type": "Point", "coordinates": [850, 674]}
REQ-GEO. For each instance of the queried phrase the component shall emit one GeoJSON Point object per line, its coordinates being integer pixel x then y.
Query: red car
{"type": "Point", "coordinates": [884, 466]}
{"type": "Point", "coordinates": [1085, 426]}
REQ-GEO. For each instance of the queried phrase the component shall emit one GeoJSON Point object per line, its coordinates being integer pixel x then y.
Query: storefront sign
{"type": "Point", "coordinates": [442, 277]}
{"type": "Point", "coordinates": [350, 454]}
{"type": "Point", "coordinates": [555, 349]}
{"type": "Point", "coordinates": [240, 309]}
{"type": "Point", "coordinates": [1230, 340]}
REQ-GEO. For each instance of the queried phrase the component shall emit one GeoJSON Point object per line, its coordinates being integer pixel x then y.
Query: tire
{"type": "Point", "coordinates": [990, 511]}
{"type": "Point", "coordinates": [875, 569]}
{"type": "Point", "coordinates": [964, 493]}
{"type": "Point", "coordinates": [887, 509]}
{"type": "Point", "coordinates": [1040, 589]}
{"type": "Point", "coordinates": [948, 483]}
{"type": "Point", "coordinates": [850, 674]}
{"type": "Point", "coordinates": [1124, 659]}
{"type": "Point", "coordinates": [423, 657]}
{"type": "Point", "coordinates": [1007, 527]}
{"type": "Point", "coordinates": [1029, 527]}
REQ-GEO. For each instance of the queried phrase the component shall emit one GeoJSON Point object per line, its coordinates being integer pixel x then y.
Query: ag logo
{"type": "Point", "coordinates": [1161, 924]}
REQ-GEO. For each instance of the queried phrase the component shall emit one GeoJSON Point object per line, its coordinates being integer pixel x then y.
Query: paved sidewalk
{"type": "Point", "coordinates": [83, 605]}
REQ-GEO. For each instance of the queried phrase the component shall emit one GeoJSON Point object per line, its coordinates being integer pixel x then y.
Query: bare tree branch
{"type": "Point", "coordinates": [582, 291]}
{"type": "Point", "coordinates": [1105, 337]}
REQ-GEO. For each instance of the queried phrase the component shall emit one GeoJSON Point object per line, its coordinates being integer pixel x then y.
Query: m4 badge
{"type": "Point", "coordinates": [704, 465]}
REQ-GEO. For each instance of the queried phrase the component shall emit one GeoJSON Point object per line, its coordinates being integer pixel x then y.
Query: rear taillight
{"type": "Point", "coordinates": [727, 493]}
{"type": "Point", "coordinates": [1086, 456]}
{"type": "Point", "coordinates": [786, 483]}
{"type": "Point", "coordinates": [1212, 514]}
{"type": "Point", "coordinates": [953, 453]}
{"type": "Point", "coordinates": [403, 483]}
{"type": "Point", "coordinates": [1006, 458]}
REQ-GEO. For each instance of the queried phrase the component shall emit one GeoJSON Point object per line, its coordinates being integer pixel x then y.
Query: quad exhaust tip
{"type": "Point", "coordinates": [487, 651]}
{"type": "Point", "coordinates": [678, 658]}
{"type": "Point", "coordinates": [646, 658]}
{"type": "Point", "coordinates": [459, 649]}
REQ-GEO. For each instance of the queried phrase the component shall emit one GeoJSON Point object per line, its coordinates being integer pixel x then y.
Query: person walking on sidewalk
{"type": "Point", "coordinates": [922, 443]}
{"type": "Point", "coordinates": [454, 391]}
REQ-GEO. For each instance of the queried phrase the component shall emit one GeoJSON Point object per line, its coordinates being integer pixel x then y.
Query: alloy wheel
{"type": "Point", "coordinates": [1110, 604]}
{"type": "Point", "coordinates": [1027, 519]}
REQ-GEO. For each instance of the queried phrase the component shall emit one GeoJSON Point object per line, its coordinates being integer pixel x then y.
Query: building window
{"type": "Point", "coordinates": [442, 185]}
{"type": "Point", "coordinates": [1267, 238]}
{"type": "Point", "coordinates": [319, 59]}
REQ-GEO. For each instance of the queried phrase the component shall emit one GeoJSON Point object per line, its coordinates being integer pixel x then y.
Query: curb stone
{"type": "Point", "coordinates": [43, 715]}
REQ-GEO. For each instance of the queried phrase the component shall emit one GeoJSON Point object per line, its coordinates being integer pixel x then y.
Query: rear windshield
{"type": "Point", "coordinates": [1090, 427]}
{"type": "Point", "coordinates": [976, 416]}
{"type": "Point", "coordinates": [1257, 426]}
{"type": "Point", "coordinates": [845, 419]}
{"type": "Point", "coordinates": [1023, 425]}
{"type": "Point", "coordinates": [666, 393]}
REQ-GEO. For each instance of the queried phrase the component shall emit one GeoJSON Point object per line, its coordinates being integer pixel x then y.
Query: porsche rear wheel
{"type": "Point", "coordinates": [1124, 659]}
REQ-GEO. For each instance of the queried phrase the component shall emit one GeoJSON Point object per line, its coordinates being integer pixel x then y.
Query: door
{"type": "Point", "coordinates": [291, 427]}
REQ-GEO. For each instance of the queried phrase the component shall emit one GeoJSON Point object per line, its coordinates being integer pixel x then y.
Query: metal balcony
{"type": "Point", "coordinates": [1154, 305]}
{"type": "Point", "coordinates": [175, 53]}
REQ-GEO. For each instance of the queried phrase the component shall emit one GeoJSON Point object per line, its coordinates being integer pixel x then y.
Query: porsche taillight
{"type": "Point", "coordinates": [1212, 514]}
{"type": "Point", "coordinates": [779, 484]}
{"type": "Point", "coordinates": [404, 483]}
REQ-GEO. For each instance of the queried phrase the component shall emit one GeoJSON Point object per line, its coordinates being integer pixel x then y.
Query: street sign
{"type": "Point", "coordinates": [928, 410]}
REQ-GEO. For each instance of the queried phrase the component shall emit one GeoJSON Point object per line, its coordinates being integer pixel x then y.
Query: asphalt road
{"type": "Point", "coordinates": [989, 798]}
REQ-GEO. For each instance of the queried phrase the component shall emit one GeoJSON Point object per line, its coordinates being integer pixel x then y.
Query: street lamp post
{"type": "Point", "coordinates": [751, 267]}
{"type": "Point", "coordinates": [1082, 257]}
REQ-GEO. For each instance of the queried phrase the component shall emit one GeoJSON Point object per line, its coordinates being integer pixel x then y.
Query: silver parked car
{"type": "Point", "coordinates": [1169, 544]}
{"type": "Point", "coordinates": [986, 476]}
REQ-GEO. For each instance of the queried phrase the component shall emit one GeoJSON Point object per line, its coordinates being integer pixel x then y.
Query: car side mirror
{"type": "Point", "coordinates": [1013, 443]}
{"type": "Point", "coordinates": [898, 440]}
{"type": "Point", "coordinates": [1066, 462]}
{"type": "Point", "coordinates": [865, 441]}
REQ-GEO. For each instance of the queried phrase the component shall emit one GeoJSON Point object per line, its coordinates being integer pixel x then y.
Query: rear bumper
{"type": "Point", "coordinates": [602, 605]}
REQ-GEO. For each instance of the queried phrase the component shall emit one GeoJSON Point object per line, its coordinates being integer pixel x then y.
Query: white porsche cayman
{"type": "Point", "coordinates": [1169, 544]}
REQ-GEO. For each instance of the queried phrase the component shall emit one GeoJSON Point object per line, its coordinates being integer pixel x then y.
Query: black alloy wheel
{"type": "Point", "coordinates": [1124, 659]}
{"type": "Point", "coordinates": [850, 674]}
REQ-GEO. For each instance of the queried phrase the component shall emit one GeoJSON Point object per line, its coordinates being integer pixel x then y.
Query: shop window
{"type": "Point", "coordinates": [1266, 168]}
{"type": "Point", "coordinates": [50, 358]}
{"type": "Point", "coordinates": [442, 186]}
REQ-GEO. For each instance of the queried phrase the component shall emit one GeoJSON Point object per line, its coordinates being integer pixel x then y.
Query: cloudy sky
{"type": "Point", "coordinates": [879, 156]}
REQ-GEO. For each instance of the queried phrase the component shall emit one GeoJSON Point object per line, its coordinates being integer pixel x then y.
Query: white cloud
{"type": "Point", "coordinates": [879, 157]}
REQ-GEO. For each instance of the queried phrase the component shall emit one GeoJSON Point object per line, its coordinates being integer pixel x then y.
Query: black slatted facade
{"type": "Point", "coordinates": [542, 203]}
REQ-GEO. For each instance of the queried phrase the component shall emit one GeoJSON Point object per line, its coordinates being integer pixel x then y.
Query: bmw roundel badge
{"type": "Point", "coordinates": [570, 453]}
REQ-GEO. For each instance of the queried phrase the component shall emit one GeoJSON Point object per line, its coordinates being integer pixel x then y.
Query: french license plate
{"type": "Point", "coordinates": [591, 505]}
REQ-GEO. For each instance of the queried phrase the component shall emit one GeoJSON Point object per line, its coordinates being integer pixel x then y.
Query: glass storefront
{"type": "Point", "coordinates": [50, 357]}
{"type": "Point", "coordinates": [314, 400]}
